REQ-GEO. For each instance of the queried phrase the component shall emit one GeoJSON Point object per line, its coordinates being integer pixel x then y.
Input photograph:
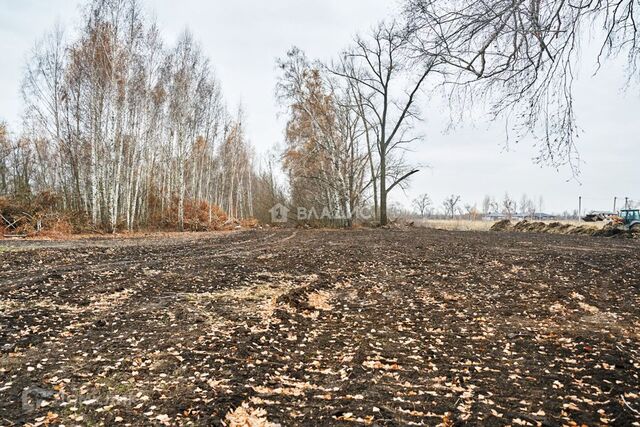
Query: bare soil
{"type": "Point", "coordinates": [305, 327]}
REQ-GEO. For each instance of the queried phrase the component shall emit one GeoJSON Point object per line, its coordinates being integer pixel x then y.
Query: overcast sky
{"type": "Point", "coordinates": [243, 39]}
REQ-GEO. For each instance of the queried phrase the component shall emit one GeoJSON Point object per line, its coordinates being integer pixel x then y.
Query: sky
{"type": "Point", "coordinates": [244, 38]}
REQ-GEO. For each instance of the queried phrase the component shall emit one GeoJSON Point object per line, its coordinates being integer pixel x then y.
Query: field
{"type": "Point", "coordinates": [306, 327]}
{"type": "Point", "coordinates": [455, 224]}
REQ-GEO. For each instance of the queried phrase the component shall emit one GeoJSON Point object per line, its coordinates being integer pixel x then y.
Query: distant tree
{"type": "Point", "coordinates": [508, 206]}
{"type": "Point", "coordinates": [472, 211]}
{"type": "Point", "coordinates": [540, 206]}
{"type": "Point", "coordinates": [495, 206]}
{"type": "Point", "coordinates": [421, 204]}
{"type": "Point", "coordinates": [267, 190]}
{"type": "Point", "coordinates": [527, 206]}
{"type": "Point", "coordinates": [486, 204]}
{"type": "Point", "coordinates": [524, 200]}
{"type": "Point", "coordinates": [451, 205]}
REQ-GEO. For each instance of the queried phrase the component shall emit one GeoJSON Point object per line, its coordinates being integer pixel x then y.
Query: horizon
{"type": "Point", "coordinates": [471, 160]}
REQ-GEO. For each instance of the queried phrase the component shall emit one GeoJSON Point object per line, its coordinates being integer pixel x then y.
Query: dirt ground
{"type": "Point", "coordinates": [304, 327]}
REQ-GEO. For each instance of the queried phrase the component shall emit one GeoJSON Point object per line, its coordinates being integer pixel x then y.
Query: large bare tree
{"type": "Point", "coordinates": [388, 83]}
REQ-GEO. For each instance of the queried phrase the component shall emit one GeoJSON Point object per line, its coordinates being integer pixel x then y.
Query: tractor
{"type": "Point", "coordinates": [630, 219]}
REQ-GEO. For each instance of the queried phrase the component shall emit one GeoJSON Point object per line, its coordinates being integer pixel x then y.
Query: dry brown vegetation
{"type": "Point", "coordinates": [455, 224]}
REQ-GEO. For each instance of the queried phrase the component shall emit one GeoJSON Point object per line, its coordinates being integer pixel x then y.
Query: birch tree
{"type": "Point", "coordinates": [127, 130]}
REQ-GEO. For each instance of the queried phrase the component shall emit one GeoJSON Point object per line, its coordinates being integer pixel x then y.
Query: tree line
{"type": "Point", "coordinates": [349, 121]}
{"type": "Point", "coordinates": [126, 132]}
{"type": "Point", "coordinates": [351, 118]}
{"type": "Point", "coordinates": [453, 206]}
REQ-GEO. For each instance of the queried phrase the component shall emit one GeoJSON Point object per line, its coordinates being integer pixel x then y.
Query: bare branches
{"type": "Point", "coordinates": [450, 205]}
{"type": "Point", "coordinates": [521, 56]}
{"type": "Point", "coordinates": [422, 204]}
{"type": "Point", "coordinates": [380, 70]}
{"type": "Point", "coordinates": [402, 178]}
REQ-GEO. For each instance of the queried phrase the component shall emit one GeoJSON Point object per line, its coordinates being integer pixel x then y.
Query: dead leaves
{"type": "Point", "coordinates": [379, 333]}
{"type": "Point", "coordinates": [377, 364]}
{"type": "Point", "coordinates": [319, 300]}
{"type": "Point", "coordinates": [246, 416]}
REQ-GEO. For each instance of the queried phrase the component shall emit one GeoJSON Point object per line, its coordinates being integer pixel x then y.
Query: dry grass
{"type": "Point", "coordinates": [455, 224]}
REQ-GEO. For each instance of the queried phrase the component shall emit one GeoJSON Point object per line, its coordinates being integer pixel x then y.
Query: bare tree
{"type": "Point", "coordinates": [378, 66]}
{"type": "Point", "coordinates": [495, 206]}
{"type": "Point", "coordinates": [524, 201]}
{"type": "Point", "coordinates": [486, 205]}
{"type": "Point", "coordinates": [422, 203]}
{"type": "Point", "coordinates": [508, 206]}
{"type": "Point", "coordinates": [5, 152]}
{"type": "Point", "coordinates": [527, 206]}
{"type": "Point", "coordinates": [472, 211]}
{"type": "Point", "coordinates": [451, 205]}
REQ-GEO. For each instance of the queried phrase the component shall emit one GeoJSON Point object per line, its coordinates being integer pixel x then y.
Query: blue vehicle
{"type": "Point", "coordinates": [631, 218]}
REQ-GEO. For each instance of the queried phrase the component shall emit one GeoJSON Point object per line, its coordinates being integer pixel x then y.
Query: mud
{"type": "Point", "coordinates": [309, 327]}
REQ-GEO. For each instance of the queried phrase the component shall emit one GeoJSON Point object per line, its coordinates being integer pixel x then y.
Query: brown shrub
{"type": "Point", "coordinates": [249, 223]}
{"type": "Point", "coordinates": [199, 215]}
{"type": "Point", "coordinates": [58, 227]}
{"type": "Point", "coordinates": [41, 213]}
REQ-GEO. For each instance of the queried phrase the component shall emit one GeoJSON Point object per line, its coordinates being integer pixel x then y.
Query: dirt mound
{"type": "Point", "coordinates": [584, 230]}
{"type": "Point", "coordinates": [610, 230]}
{"type": "Point", "coordinates": [528, 226]}
{"type": "Point", "coordinates": [613, 230]}
{"type": "Point", "coordinates": [556, 228]}
{"type": "Point", "coordinates": [504, 225]}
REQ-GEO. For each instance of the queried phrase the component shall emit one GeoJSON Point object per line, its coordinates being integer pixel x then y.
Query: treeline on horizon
{"type": "Point", "coordinates": [124, 132]}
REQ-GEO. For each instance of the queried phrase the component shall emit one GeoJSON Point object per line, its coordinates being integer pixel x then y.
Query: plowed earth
{"type": "Point", "coordinates": [365, 327]}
